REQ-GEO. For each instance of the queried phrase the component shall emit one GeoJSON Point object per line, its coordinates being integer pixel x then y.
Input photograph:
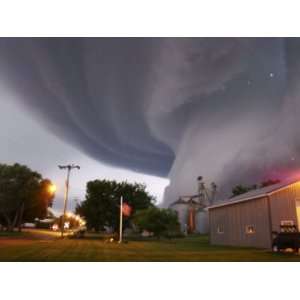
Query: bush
{"type": "Point", "coordinates": [162, 222]}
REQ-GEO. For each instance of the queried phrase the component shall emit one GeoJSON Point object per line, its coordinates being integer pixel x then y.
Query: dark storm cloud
{"type": "Point", "coordinates": [90, 93]}
{"type": "Point", "coordinates": [222, 108]}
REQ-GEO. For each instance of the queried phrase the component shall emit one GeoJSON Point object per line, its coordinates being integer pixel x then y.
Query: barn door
{"type": "Point", "coordinates": [298, 212]}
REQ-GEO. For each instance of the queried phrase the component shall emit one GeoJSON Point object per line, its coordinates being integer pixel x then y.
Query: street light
{"type": "Point", "coordinates": [69, 214]}
{"type": "Point", "coordinates": [52, 188]}
{"type": "Point", "coordinates": [69, 168]}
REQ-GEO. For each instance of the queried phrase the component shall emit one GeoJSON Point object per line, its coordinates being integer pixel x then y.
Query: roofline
{"type": "Point", "coordinates": [238, 201]}
{"type": "Point", "coordinates": [253, 197]}
{"type": "Point", "coordinates": [282, 188]}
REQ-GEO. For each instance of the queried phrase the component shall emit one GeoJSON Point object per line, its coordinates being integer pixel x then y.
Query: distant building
{"type": "Point", "coordinates": [249, 219]}
{"type": "Point", "coordinates": [192, 210]}
{"type": "Point", "coordinates": [192, 214]}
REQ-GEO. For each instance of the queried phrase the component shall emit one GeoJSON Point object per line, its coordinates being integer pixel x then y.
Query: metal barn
{"type": "Point", "coordinates": [249, 219]}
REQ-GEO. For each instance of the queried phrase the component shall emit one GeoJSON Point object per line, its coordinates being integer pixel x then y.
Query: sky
{"type": "Point", "coordinates": [25, 141]}
{"type": "Point", "coordinates": [156, 110]}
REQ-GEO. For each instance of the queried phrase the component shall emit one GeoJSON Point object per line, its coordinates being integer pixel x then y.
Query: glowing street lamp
{"type": "Point", "coordinates": [69, 214]}
{"type": "Point", "coordinates": [52, 188]}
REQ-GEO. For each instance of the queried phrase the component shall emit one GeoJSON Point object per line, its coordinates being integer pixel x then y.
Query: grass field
{"type": "Point", "coordinates": [39, 246]}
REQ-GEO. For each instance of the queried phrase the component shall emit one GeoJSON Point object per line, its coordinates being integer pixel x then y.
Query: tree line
{"type": "Point", "coordinates": [25, 196]}
{"type": "Point", "coordinates": [242, 189]}
{"type": "Point", "coordinates": [101, 208]}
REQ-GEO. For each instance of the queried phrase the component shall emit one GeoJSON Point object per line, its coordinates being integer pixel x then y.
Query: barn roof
{"type": "Point", "coordinates": [257, 193]}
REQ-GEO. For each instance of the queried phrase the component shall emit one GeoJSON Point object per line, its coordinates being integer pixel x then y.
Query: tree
{"type": "Point", "coordinates": [24, 195]}
{"type": "Point", "coordinates": [241, 189]}
{"type": "Point", "coordinates": [159, 221]}
{"type": "Point", "coordinates": [269, 182]}
{"type": "Point", "coordinates": [101, 205]}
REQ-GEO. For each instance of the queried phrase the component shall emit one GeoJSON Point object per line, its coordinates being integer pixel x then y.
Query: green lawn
{"type": "Point", "coordinates": [27, 247]}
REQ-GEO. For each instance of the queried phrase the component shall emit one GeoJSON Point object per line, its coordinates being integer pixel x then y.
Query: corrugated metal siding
{"type": "Point", "coordinates": [234, 219]}
{"type": "Point", "coordinates": [283, 205]}
{"type": "Point", "coordinates": [202, 222]}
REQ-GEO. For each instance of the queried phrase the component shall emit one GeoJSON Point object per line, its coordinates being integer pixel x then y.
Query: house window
{"type": "Point", "coordinates": [250, 229]}
{"type": "Point", "coordinates": [220, 229]}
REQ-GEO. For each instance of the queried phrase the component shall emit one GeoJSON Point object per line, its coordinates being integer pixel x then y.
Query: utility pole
{"type": "Point", "coordinates": [69, 168]}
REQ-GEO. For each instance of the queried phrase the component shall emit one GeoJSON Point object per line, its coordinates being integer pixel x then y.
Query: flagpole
{"type": "Point", "coordinates": [121, 220]}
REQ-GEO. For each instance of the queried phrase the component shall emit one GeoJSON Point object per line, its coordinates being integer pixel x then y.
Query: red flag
{"type": "Point", "coordinates": [126, 209]}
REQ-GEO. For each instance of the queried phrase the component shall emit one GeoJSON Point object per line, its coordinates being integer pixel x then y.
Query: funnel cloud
{"type": "Point", "coordinates": [223, 108]}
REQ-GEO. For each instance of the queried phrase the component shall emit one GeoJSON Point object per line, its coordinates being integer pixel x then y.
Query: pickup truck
{"type": "Point", "coordinates": [287, 238]}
